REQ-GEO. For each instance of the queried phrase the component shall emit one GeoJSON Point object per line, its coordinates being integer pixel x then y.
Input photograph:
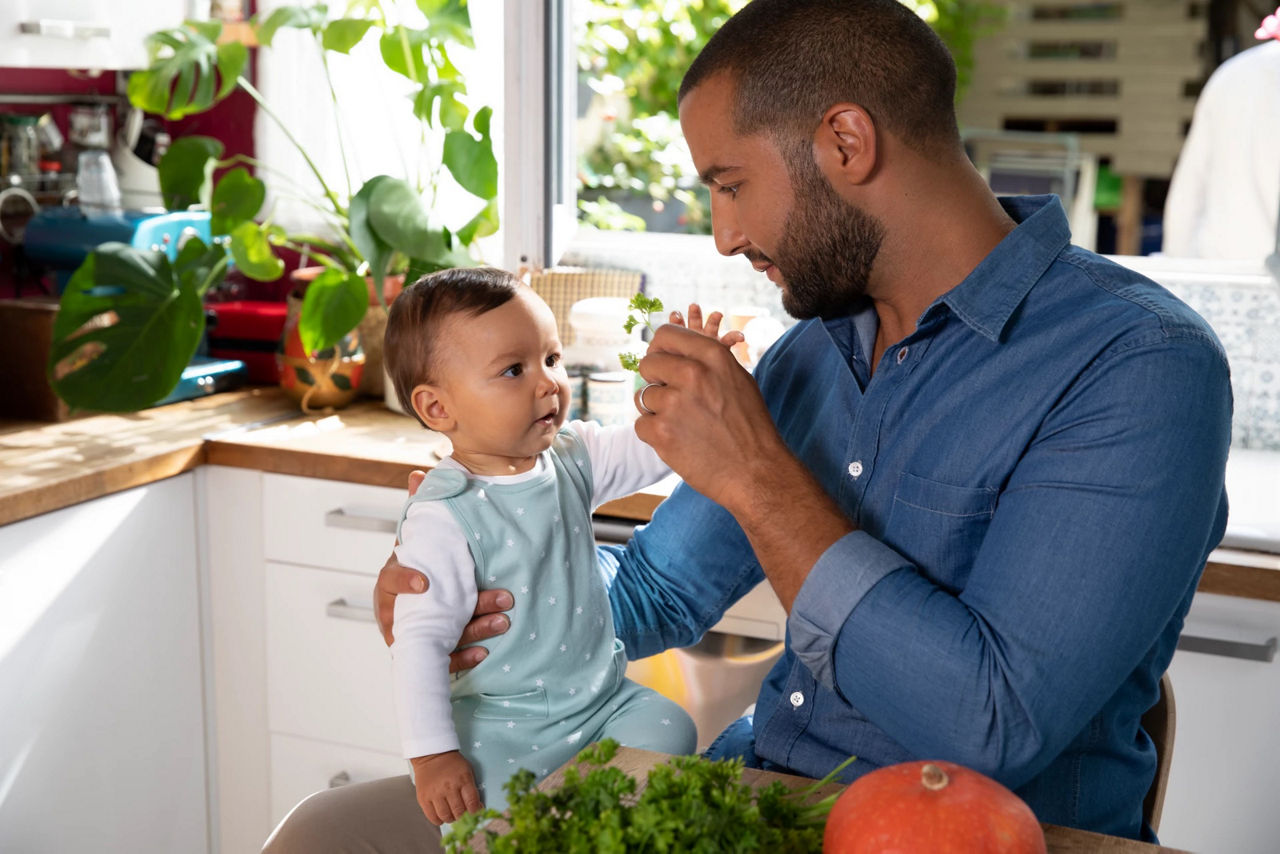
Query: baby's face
{"type": "Point", "coordinates": [506, 386]}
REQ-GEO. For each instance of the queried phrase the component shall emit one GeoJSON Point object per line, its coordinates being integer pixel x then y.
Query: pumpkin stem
{"type": "Point", "coordinates": [933, 778]}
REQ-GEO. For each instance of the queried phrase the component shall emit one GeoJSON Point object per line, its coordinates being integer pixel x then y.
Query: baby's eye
{"type": "Point", "coordinates": [553, 360]}
{"type": "Point", "coordinates": [514, 371]}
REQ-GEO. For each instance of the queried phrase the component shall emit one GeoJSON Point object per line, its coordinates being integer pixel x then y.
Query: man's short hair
{"type": "Point", "coordinates": [410, 347]}
{"type": "Point", "coordinates": [792, 59]}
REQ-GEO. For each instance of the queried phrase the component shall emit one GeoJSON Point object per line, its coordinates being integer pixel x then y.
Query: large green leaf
{"type": "Point", "coordinates": [237, 197]}
{"type": "Point", "coordinates": [398, 217]}
{"type": "Point", "coordinates": [189, 71]}
{"type": "Point", "coordinates": [376, 251]}
{"type": "Point", "coordinates": [471, 160]}
{"type": "Point", "coordinates": [130, 363]}
{"type": "Point", "coordinates": [345, 33]}
{"type": "Point", "coordinates": [448, 20]}
{"type": "Point", "coordinates": [335, 303]}
{"type": "Point", "coordinates": [251, 249]}
{"type": "Point", "coordinates": [453, 113]}
{"type": "Point", "coordinates": [481, 225]}
{"type": "Point", "coordinates": [186, 172]}
{"type": "Point", "coordinates": [294, 17]}
{"type": "Point", "coordinates": [405, 51]}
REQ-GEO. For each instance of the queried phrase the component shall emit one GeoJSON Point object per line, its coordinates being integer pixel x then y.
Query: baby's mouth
{"type": "Point", "coordinates": [549, 418]}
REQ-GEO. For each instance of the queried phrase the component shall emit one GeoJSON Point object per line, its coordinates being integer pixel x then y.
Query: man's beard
{"type": "Point", "coordinates": [828, 247]}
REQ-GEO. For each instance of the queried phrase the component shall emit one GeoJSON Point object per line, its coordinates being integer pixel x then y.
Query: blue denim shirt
{"type": "Point", "coordinates": [1036, 474]}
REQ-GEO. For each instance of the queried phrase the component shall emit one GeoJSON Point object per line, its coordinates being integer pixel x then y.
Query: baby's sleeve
{"type": "Point", "coordinates": [427, 627]}
{"type": "Point", "coordinates": [620, 463]}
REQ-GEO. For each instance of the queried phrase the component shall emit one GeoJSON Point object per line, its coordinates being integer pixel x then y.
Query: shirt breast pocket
{"type": "Point", "coordinates": [939, 526]}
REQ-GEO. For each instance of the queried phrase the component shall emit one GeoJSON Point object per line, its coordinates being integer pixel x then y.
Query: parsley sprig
{"type": "Point", "coordinates": [639, 311]}
{"type": "Point", "coordinates": [690, 805]}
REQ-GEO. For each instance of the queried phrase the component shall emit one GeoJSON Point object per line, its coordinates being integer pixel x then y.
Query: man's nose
{"type": "Point", "coordinates": [724, 226]}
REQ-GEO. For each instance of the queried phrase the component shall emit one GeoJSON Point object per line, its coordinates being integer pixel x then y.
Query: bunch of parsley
{"type": "Point", "coordinates": [639, 310]}
{"type": "Point", "coordinates": [690, 805]}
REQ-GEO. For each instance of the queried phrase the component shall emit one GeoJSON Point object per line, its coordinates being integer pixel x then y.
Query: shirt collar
{"type": "Point", "coordinates": [987, 297]}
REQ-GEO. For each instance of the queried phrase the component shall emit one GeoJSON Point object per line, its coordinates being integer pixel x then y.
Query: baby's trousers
{"type": "Point", "coordinates": [500, 739]}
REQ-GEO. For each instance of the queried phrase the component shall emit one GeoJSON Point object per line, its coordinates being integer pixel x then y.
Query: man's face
{"type": "Point", "coordinates": [789, 223]}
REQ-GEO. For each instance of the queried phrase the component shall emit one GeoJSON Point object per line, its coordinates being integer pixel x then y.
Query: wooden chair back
{"type": "Point", "coordinates": [1159, 722]}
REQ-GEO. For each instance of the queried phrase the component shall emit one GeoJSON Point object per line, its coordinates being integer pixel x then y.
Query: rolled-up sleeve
{"type": "Point", "coordinates": [834, 587]}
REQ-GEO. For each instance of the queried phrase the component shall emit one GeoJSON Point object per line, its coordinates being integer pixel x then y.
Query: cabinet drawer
{"type": "Point", "coordinates": [328, 671]}
{"type": "Point", "coordinates": [329, 523]}
{"type": "Point", "coordinates": [301, 766]}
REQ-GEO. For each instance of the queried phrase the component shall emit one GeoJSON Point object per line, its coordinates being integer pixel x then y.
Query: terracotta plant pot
{"type": "Point", "coordinates": [330, 378]}
{"type": "Point", "coordinates": [370, 330]}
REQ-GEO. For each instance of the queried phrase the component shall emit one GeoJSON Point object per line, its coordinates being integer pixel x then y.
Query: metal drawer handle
{"type": "Point", "coordinates": [344, 610]}
{"type": "Point", "coordinates": [1265, 651]}
{"type": "Point", "coordinates": [62, 29]}
{"type": "Point", "coordinates": [342, 778]}
{"type": "Point", "coordinates": [344, 518]}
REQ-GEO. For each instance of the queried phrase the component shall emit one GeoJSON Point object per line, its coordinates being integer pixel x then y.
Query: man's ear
{"type": "Point", "coordinates": [432, 406]}
{"type": "Point", "coordinates": [844, 146]}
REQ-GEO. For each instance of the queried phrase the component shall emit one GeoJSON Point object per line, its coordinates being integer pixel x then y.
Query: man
{"type": "Point", "coordinates": [982, 474]}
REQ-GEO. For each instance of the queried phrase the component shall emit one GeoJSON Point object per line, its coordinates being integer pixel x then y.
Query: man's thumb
{"type": "Point", "coordinates": [416, 478]}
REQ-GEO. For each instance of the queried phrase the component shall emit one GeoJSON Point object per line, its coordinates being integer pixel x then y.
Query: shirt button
{"type": "Point", "coordinates": [855, 469]}
{"type": "Point", "coordinates": [797, 699]}
{"type": "Point", "coordinates": [902, 355]}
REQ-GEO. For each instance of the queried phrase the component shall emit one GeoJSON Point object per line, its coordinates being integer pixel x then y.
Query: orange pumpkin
{"type": "Point", "coordinates": [938, 807]}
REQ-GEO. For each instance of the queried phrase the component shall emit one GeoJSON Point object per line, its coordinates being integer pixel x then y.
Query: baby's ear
{"type": "Point", "coordinates": [431, 405]}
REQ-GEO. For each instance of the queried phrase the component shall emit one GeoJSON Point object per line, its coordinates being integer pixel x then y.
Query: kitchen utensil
{"type": "Point", "coordinates": [97, 184]}
{"type": "Point", "coordinates": [90, 126]}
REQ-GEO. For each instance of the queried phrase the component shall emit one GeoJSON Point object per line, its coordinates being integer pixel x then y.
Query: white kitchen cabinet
{"type": "Point", "coordinates": [303, 691]}
{"type": "Point", "coordinates": [102, 735]}
{"type": "Point", "coordinates": [1226, 752]}
{"type": "Point", "coordinates": [95, 34]}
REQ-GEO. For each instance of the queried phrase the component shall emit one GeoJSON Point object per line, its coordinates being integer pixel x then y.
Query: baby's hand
{"type": "Point", "coordinates": [710, 327]}
{"type": "Point", "coordinates": [446, 786]}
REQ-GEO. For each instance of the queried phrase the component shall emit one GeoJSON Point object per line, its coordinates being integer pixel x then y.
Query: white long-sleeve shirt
{"type": "Point", "coordinates": [1224, 197]}
{"type": "Point", "coordinates": [427, 625]}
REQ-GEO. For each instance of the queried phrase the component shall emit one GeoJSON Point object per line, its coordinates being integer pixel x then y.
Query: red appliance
{"type": "Point", "coordinates": [249, 330]}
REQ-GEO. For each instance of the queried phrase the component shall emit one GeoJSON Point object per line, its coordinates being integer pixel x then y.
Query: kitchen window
{"type": "Point", "coordinates": [582, 110]}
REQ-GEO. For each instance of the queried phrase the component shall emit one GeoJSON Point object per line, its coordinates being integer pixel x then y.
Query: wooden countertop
{"type": "Point", "coordinates": [45, 467]}
{"type": "Point", "coordinates": [1058, 840]}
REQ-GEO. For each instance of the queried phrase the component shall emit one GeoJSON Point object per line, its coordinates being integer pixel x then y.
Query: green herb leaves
{"type": "Point", "coordinates": [689, 805]}
{"type": "Point", "coordinates": [639, 310]}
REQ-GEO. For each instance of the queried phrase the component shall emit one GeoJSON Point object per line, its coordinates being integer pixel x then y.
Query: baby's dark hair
{"type": "Point", "coordinates": [418, 313]}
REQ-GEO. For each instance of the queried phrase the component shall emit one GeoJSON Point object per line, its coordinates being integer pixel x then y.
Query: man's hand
{"type": "Point", "coordinates": [704, 400]}
{"type": "Point", "coordinates": [446, 786]}
{"type": "Point", "coordinates": [487, 619]}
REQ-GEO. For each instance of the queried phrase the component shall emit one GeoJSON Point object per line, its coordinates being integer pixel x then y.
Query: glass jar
{"type": "Point", "coordinates": [19, 148]}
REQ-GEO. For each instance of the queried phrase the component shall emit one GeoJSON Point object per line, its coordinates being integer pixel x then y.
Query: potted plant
{"type": "Point", "coordinates": [130, 320]}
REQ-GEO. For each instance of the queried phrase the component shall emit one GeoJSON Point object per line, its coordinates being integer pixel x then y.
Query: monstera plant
{"type": "Point", "coordinates": [131, 319]}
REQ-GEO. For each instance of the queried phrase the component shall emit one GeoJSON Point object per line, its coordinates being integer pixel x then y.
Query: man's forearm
{"type": "Point", "coordinates": [789, 520]}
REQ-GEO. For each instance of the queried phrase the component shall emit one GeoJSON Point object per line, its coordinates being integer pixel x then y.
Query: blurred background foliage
{"type": "Point", "coordinates": [634, 170]}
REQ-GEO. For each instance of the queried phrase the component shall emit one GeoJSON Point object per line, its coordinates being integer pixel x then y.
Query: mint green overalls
{"type": "Point", "coordinates": [555, 682]}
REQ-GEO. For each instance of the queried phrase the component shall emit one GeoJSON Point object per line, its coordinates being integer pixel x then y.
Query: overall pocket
{"type": "Point", "coordinates": [527, 705]}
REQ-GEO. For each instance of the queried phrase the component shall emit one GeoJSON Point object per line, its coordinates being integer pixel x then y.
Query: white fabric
{"type": "Point", "coordinates": [427, 625]}
{"type": "Point", "coordinates": [1225, 192]}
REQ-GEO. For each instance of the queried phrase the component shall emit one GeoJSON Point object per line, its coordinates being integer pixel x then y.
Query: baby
{"type": "Point", "coordinates": [475, 355]}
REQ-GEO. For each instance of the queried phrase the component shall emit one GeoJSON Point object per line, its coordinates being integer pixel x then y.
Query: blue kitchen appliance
{"type": "Point", "coordinates": [61, 238]}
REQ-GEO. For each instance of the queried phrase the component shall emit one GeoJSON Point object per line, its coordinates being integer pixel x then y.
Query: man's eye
{"type": "Point", "coordinates": [514, 371]}
{"type": "Point", "coordinates": [730, 189]}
